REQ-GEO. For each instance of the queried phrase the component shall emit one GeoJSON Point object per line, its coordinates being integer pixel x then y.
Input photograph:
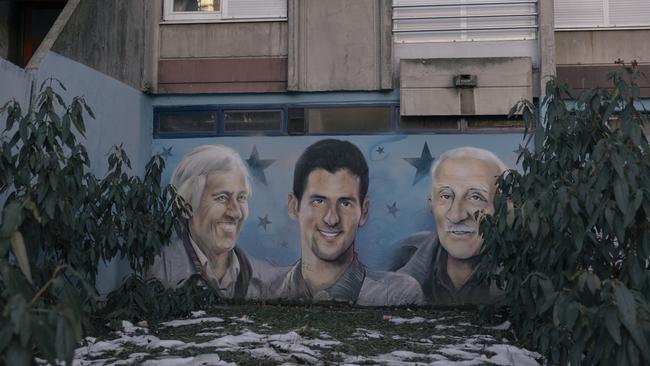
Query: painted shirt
{"type": "Point", "coordinates": [357, 285]}
{"type": "Point", "coordinates": [426, 261]}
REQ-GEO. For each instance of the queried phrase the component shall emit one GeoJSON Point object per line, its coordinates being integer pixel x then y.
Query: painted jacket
{"type": "Point", "coordinates": [422, 257]}
{"type": "Point", "coordinates": [175, 264]}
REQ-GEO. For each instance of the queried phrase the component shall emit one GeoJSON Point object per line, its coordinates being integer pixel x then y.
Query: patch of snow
{"type": "Point", "coordinates": [211, 359]}
{"type": "Point", "coordinates": [363, 333]}
{"type": "Point", "coordinates": [398, 320]}
{"type": "Point", "coordinates": [242, 319]}
{"type": "Point", "coordinates": [184, 322]}
{"type": "Point", "coordinates": [209, 334]}
{"type": "Point", "coordinates": [503, 326]}
{"type": "Point", "coordinates": [198, 314]}
{"type": "Point", "coordinates": [129, 328]}
{"type": "Point", "coordinates": [442, 326]}
{"type": "Point", "coordinates": [510, 355]}
{"type": "Point", "coordinates": [456, 352]}
{"type": "Point", "coordinates": [322, 343]}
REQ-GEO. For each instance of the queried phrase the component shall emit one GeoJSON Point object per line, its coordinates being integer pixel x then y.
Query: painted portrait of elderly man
{"type": "Point", "coordinates": [329, 202]}
{"type": "Point", "coordinates": [463, 184]}
{"type": "Point", "coordinates": [214, 180]}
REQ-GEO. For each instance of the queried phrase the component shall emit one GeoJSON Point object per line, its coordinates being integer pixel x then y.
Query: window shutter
{"type": "Point", "coordinates": [463, 20]}
{"type": "Point", "coordinates": [247, 9]}
{"type": "Point", "coordinates": [601, 13]}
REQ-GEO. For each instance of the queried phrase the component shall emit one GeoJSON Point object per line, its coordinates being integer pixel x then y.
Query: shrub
{"type": "Point", "coordinates": [570, 239]}
{"type": "Point", "coordinates": [59, 221]}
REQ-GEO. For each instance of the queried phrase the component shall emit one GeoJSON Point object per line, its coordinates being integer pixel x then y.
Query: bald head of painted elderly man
{"type": "Point", "coordinates": [462, 189]}
{"type": "Point", "coordinates": [214, 180]}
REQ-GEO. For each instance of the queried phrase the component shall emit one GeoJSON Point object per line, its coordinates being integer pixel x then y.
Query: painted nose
{"type": "Point", "coordinates": [457, 212]}
{"type": "Point", "coordinates": [331, 217]}
{"type": "Point", "coordinates": [233, 209]}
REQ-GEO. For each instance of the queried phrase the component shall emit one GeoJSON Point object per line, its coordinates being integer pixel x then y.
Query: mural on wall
{"type": "Point", "coordinates": [359, 220]}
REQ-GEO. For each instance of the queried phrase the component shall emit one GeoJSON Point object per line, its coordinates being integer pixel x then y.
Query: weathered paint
{"type": "Point", "coordinates": [222, 75]}
{"type": "Point", "coordinates": [107, 36]}
{"type": "Point", "coordinates": [339, 45]}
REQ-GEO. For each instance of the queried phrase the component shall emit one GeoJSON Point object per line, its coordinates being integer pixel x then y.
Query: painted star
{"type": "Point", "coordinates": [167, 152]}
{"type": "Point", "coordinates": [257, 165]}
{"type": "Point", "coordinates": [422, 164]}
{"type": "Point", "coordinates": [264, 221]}
{"type": "Point", "coordinates": [380, 150]}
{"type": "Point", "coordinates": [392, 209]}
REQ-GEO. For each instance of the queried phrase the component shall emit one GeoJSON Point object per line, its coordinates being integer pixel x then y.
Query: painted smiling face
{"type": "Point", "coordinates": [329, 213]}
{"type": "Point", "coordinates": [461, 188]}
{"type": "Point", "coordinates": [223, 207]}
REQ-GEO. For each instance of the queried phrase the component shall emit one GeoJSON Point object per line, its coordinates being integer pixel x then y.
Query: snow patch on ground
{"type": "Point", "coordinates": [184, 322]}
{"type": "Point", "coordinates": [136, 345]}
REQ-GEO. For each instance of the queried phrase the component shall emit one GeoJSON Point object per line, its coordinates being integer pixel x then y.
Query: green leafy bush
{"type": "Point", "coordinates": [570, 238]}
{"type": "Point", "coordinates": [59, 220]}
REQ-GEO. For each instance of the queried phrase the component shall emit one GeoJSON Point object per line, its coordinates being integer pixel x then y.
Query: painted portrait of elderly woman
{"type": "Point", "coordinates": [214, 180]}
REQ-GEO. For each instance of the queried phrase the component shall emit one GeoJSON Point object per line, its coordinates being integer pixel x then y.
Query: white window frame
{"type": "Point", "coordinates": [221, 16]}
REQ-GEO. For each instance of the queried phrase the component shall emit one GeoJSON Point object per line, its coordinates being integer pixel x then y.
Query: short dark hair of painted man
{"type": "Point", "coordinates": [331, 155]}
{"type": "Point", "coordinates": [329, 202]}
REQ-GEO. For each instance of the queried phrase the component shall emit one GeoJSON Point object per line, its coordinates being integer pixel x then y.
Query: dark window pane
{"type": "Point", "coordinates": [252, 120]}
{"type": "Point", "coordinates": [187, 122]}
{"type": "Point", "coordinates": [196, 5]}
{"type": "Point", "coordinates": [359, 119]}
{"type": "Point", "coordinates": [494, 122]}
{"type": "Point", "coordinates": [427, 123]}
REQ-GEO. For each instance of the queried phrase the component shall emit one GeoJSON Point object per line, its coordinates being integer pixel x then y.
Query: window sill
{"type": "Point", "coordinates": [232, 20]}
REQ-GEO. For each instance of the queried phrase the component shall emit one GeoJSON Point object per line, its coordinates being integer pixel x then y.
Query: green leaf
{"type": "Point", "coordinates": [12, 217]}
{"type": "Point", "coordinates": [6, 332]}
{"type": "Point", "coordinates": [621, 194]}
{"type": "Point", "coordinates": [627, 313]}
{"type": "Point", "coordinates": [613, 326]}
{"type": "Point", "coordinates": [18, 355]}
{"type": "Point", "coordinates": [20, 252]}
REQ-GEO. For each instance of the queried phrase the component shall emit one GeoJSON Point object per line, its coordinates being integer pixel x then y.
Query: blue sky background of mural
{"type": "Point", "coordinates": [397, 192]}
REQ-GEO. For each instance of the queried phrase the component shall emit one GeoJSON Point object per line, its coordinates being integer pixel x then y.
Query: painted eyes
{"type": "Point", "coordinates": [474, 197]}
{"type": "Point", "coordinates": [345, 203]}
{"type": "Point", "coordinates": [223, 198]}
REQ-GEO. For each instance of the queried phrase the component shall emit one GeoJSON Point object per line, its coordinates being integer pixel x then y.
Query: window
{"type": "Point", "coordinates": [224, 10]}
{"type": "Point", "coordinates": [579, 14]}
{"type": "Point", "coordinates": [201, 123]}
{"type": "Point", "coordinates": [243, 121]}
{"type": "Point", "coordinates": [348, 120]}
{"type": "Point", "coordinates": [285, 119]}
{"type": "Point", "coordinates": [417, 21]}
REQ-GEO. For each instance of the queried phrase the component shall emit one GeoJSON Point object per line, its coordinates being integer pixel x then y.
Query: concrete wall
{"type": "Point", "coordinates": [8, 29]}
{"type": "Point", "coordinates": [123, 116]}
{"type": "Point", "coordinates": [339, 45]}
{"type": "Point", "coordinates": [15, 83]}
{"type": "Point", "coordinates": [107, 35]}
{"type": "Point", "coordinates": [427, 85]}
{"type": "Point", "coordinates": [222, 57]}
{"type": "Point", "coordinates": [123, 113]}
{"type": "Point", "coordinates": [584, 58]}
{"type": "Point", "coordinates": [602, 47]}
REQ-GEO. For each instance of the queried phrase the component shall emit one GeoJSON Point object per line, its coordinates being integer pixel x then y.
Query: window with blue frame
{"type": "Point", "coordinates": [206, 121]}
